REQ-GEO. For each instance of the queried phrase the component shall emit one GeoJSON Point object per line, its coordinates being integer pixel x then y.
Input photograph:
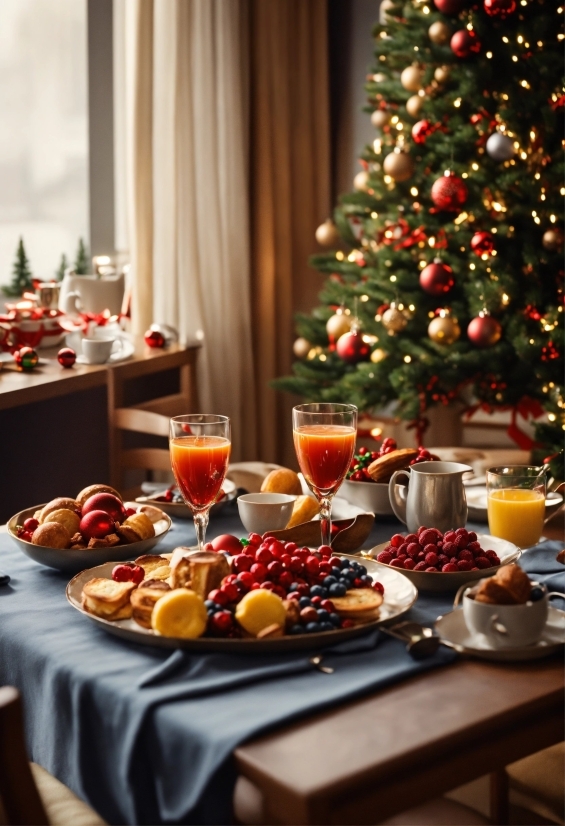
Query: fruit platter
{"type": "Point", "coordinates": [90, 529]}
{"type": "Point", "coordinates": [443, 562]}
{"type": "Point", "coordinates": [245, 595]}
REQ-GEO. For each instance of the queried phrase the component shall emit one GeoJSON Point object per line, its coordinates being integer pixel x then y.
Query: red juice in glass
{"type": "Point", "coordinates": [324, 454]}
{"type": "Point", "coordinates": [200, 464]}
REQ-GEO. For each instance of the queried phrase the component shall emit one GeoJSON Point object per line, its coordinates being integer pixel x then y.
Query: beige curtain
{"type": "Point", "coordinates": [187, 203]}
{"type": "Point", "coordinates": [290, 179]}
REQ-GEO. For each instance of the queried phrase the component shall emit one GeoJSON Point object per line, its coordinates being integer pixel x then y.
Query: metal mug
{"type": "Point", "coordinates": [435, 496]}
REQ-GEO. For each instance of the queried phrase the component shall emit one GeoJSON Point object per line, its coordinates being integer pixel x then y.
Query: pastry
{"type": "Point", "coordinates": [155, 567]}
{"type": "Point", "coordinates": [107, 599]}
{"type": "Point", "coordinates": [52, 535]}
{"type": "Point", "coordinates": [260, 609]}
{"type": "Point", "coordinates": [509, 586]}
{"type": "Point", "coordinates": [151, 512]}
{"type": "Point", "coordinates": [143, 600]}
{"type": "Point", "coordinates": [305, 509]}
{"type": "Point", "coordinates": [65, 517]}
{"type": "Point", "coordinates": [282, 480]}
{"type": "Point", "coordinates": [202, 572]}
{"type": "Point", "coordinates": [141, 524]}
{"type": "Point", "coordinates": [127, 534]}
{"type": "Point", "coordinates": [86, 493]}
{"type": "Point", "coordinates": [358, 604]}
{"type": "Point", "coordinates": [180, 613]}
{"type": "Point", "coordinates": [61, 502]}
{"type": "Point", "coordinates": [382, 468]}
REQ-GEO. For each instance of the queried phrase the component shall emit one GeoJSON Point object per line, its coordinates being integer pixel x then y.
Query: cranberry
{"type": "Point", "coordinates": [335, 562]}
{"type": "Point", "coordinates": [327, 605]}
{"type": "Point", "coordinates": [303, 554]}
{"type": "Point", "coordinates": [275, 568]}
{"type": "Point", "coordinates": [279, 591]}
{"type": "Point", "coordinates": [374, 455]}
{"type": "Point", "coordinates": [317, 601]}
{"type": "Point", "coordinates": [255, 586]}
{"type": "Point", "coordinates": [286, 579]}
{"type": "Point", "coordinates": [31, 524]}
{"type": "Point", "coordinates": [313, 565]}
{"type": "Point", "coordinates": [285, 559]}
{"type": "Point", "coordinates": [347, 623]}
{"type": "Point", "coordinates": [409, 564]}
{"type": "Point", "coordinates": [424, 454]}
{"type": "Point", "coordinates": [130, 512]}
{"type": "Point", "coordinates": [362, 451]}
{"type": "Point", "coordinates": [221, 621]}
{"type": "Point", "coordinates": [290, 547]}
{"type": "Point", "coordinates": [242, 562]}
{"type": "Point", "coordinates": [358, 583]}
{"type": "Point", "coordinates": [231, 591]}
{"type": "Point", "coordinates": [385, 557]}
{"type": "Point", "coordinates": [247, 578]}
{"type": "Point", "coordinates": [124, 573]}
{"type": "Point", "coordinates": [259, 572]}
{"type": "Point", "coordinates": [397, 540]}
{"type": "Point", "coordinates": [379, 587]}
{"type": "Point", "coordinates": [295, 595]}
{"type": "Point", "coordinates": [450, 568]}
{"type": "Point", "coordinates": [464, 565]}
{"type": "Point", "coordinates": [255, 539]}
{"type": "Point", "coordinates": [303, 589]}
{"type": "Point", "coordinates": [483, 562]}
{"type": "Point", "coordinates": [325, 567]}
{"type": "Point", "coordinates": [295, 564]}
{"type": "Point", "coordinates": [325, 550]}
{"type": "Point", "coordinates": [268, 585]}
{"type": "Point", "coordinates": [264, 556]}
{"type": "Point", "coordinates": [219, 597]}
{"type": "Point", "coordinates": [27, 536]}
{"type": "Point", "coordinates": [229, 578]}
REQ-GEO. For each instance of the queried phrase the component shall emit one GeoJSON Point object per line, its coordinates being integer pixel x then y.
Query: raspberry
{"type": "Point", "coordinates": [413, 549]}
{"type": "Point", "coordinates": [409, 564]}
{"type": "Point", "coordinates": [420, 566]}
{"type": "Point", "coordinates": [431, 558]}
{"type": "Point", "coordinates": [432, 570]}
{"type": "Point", "coordinates": [412, 537]}
{"type": "Point", "coordinates": [450, 568]}
{"type": "Point", "coordinates": [430, 548]}
{"type": "Point", "coordinates": [397, 563]}
{"type": "Point", "coordinates": [483, 562]}
{"type": "Point", "coordinates": [403, 548]}
{"type": "Point", "coordinates": [449, 548]}
{"type": "Point", "coordinates": [491, 554]}
{"type": "Point", "coordinates": [449, 536]}
{"type": "Point", "coordinates": [440, 543]}
{"type": "Point", "coordinates": [379, 587]}
{"type": "Point", "coordinates": [397, 540]}
{"type": "Point", "coordinates": [494, 559]}
{"type": "Point", "coordinates": [465, 554]}
{"type": "Point", "coordinates": [385, 557]}
{"type": "Point", "coordinates": [475, 568]}
{"type": "Point", "coordinates": [464, 565]}
{"type": "Point", "coordinates": [401, 557]}
{"type": "Point", "coordinates": [472, 536]}
{"type": "Point", "coordinates": [442, 559]}
{"type": "Point", "coordinates": [428, 537]}
{"type": "Point", "coordinates": [473, 546]}
{"type": "Point", "coordinates": [454, 560]}
{"type": "Point", "coordinates": [421, 555]}
{"type": "Point", "coordinates": [421, 529]}
{"type": "Point", "coordinates": [461, 532]}
{"type": "Point", "coordinates": [461, 541]}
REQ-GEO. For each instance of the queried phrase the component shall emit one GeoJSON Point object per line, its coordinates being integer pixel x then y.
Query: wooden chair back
{"type": "Point", "coordinates": [144, 458]}
{"type": "Point", "coordinates": [20, 803]}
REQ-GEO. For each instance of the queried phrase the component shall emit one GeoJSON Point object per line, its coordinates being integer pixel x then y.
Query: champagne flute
{"type": "Point", "coordinates": [324, 440]}
{"type": "Point", "coordinates": [200, 446]}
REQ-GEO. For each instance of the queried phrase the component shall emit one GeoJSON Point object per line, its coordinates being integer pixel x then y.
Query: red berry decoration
{"type": "Point", "coordinates": [96, 525]}
{"type": "Point", "coordinates": [500, 8]}
{"type": "Point", "coordinates": [482, 243]}
{"type": "Point", "coordinates": [106, 502]}
{"type": "Point", "coordinates": [484, 331]}
{"type": "Point", "coordinates": [31, 524]}
{"type": "Point", "coordinates": [437, 278]}
{"type": "Point", "coordinates": [449, 192]}
{"type": "Point", "coordinates": [153, 338]}
{"type": "Point", "coordinates": [26, 358]}
{"type": "Point", "coordinates": [351, 347]}
{"type": "Point", "coordinates": [66, 357]}
{"type": "Point", "coordinates": [128, 573]}
{"type": "Point", "coordinates": [449, 6]}
{"type": "Point", "coordinates": [422, 130]}
{"type": "Point", "coordinates": [227, 542]}
{"type": "Point", "coordinates": [221, 622]}
{"type": "Point", "coordinates": [464, 43]}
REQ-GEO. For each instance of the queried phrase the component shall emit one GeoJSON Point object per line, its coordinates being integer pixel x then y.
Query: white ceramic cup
{"type": "Point", "coordinates": [262, 512]}
{"type": "Point", "coordinates": [506, 626]}
{"type": "Point", "coordinates": [99, 350]}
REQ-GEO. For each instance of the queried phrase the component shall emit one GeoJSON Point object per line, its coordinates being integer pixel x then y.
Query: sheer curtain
{"type": "Point", "coordinates": [181, 88]}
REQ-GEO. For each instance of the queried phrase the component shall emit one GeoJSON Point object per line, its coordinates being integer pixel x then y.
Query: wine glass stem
{"type": "Point", "coordinates": [201, 523]}
{"type": "Point", "coordinates": [326, 519]}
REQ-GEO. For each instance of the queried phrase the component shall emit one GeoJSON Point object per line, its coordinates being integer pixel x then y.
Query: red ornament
{"type": "Point", "coordinates": [482, 242]}
{"type": "Point", "coordinates": [351, 347]}
{"type": "Point", "coordinates": [422, 130]}
{"type": "Point", "coordinates": [26, 358]}
{"type": "Point", "coordinates": [464, 43]}
{"type": "Point", "coordinates": [153, 338]}
{"type": "Point", "coordinates": [437, 278]}
{"type": "Point", "coordinates": [500, 8]}
{"type": "Point", "coordinates": [96, 525]}
{"type": "Point", "coordinates": [449, 6]}
{"type": "Point", "coordinates": [549, 352]}
{"type": "Point", "coordinates": [66, 357]}
{"type": "Point", "coordinates": [484, 331]}
{"type": "Point", "coordinates": [449, 193]}
{"type": "Point", "coordinates": [106, 502]}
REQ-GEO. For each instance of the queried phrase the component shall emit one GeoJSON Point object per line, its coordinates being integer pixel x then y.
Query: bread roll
{"type": "Point", "coordinates": [86, 493]}
{"type": "Point", "coordinates": [305, 509]}
{"type": "Point", "coordinates": [68, 519]}
{"type": "Point", "coordinates": [61, 502]}
{"type": "Point", "coordinates": [52, 535]}
{"type": "Point", "coordinates": [141, 524]}
{"type": "Point", "coordinates": [282, 480]}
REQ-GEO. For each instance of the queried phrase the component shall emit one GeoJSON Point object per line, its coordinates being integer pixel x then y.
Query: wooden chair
{"type": "Point", "coordinates": [140, 458]}
{"type": "Point", "coordinates": [29, 795]}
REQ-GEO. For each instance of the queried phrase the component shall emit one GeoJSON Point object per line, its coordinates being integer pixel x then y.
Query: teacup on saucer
{"type": "Point", "coordinates": [261, 512]}
{"type": "Point", "coordinates": [507, 626]}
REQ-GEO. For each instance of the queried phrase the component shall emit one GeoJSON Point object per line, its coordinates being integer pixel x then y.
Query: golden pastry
{"type": "Point", "coordinates": [150, 563]}
{"type": "Point", "coordinates": [57, 504]}
{"type": "Point", "coordinates": [141, 524]}
{"type": "Point", "coordinates": [52, 535]}
{"type": "Point", "coordinates": [509, 586]}
{"type": "Point", "coordinates": [143, 600]}
{"type": "Point", "coordinates": [180, 613]}
{"type": "Point", "coordinates": [68, 519]}
{"type": "Point", "coordinates": [86, 493]}
{"type": "Point", "coordinates": [305, 509]}
{"type": "Point", "coordinates": [282, 480]}
{"type": "Point", "coordinates": [358, 602]}
{"type": "Point", "coordinates": [202, 572]}
{"type": "Point", "coordinates": [382, 468]}
{"type": "Point", "coordinates": [260, 609]}
{"type": "Point", "coordinates": [107, 599]}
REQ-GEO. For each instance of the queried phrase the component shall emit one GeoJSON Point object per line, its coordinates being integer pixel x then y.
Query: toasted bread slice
{"type": "Point", "coordinates": [143, 601]}
{"type": "Point", "coordinates": [127, 534]}
{"type": "Point", "coordinates": [207, 571]}
{"type": "Point", "coordinates": [382, 468]}
{"type": "Point", "coordinates": [357, 601]}
{"type": "Point", "coordinates": [150, 562]}
{"type": "Point", "coordinates": [141, 524]}
{"type": "Point", "coordinates": [107, 599]}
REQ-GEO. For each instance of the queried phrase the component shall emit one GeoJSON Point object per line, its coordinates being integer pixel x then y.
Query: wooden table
{"type": "Point", "coordinates": [409, 743]}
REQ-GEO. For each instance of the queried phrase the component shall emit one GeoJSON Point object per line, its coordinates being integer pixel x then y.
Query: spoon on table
{"type": "Point", "coordinates": [421, 642]}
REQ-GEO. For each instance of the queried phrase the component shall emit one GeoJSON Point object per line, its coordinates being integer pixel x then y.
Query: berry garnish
{"type": "Point", "coordinates": [128, 572]}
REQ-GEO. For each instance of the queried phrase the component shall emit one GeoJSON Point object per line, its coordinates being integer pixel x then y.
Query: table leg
{"type": "Point", "coordinates": [499, 806]}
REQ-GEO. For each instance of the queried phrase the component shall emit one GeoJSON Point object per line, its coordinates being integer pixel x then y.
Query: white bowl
{"type": "Point", "coordinates": [262, 512]}
{"type": "Point", "coordinates": [371, 496]}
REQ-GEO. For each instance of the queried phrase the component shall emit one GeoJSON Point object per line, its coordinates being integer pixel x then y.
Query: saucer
{"type": "Point", "coordinates": [453, 629]}
{"type": "Point", "coordinates": [126, 352]}
{"type": "Point", "coordinates": [477, 503]}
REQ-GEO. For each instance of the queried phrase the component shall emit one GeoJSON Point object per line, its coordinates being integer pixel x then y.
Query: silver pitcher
{"type": "Point", "coordinates": [435, 496]}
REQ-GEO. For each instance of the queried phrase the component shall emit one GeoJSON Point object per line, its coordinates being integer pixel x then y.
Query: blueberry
{"type": "Point", "coordinates": [209, 603]}
{"type": "Point", "coordinates": [335, 571]}
{"type": "Point", "coordinates": [362, 571]}
{"type": "Point", "coordinates": [345, 563]}
{"type": "Point", "coordinates": [296, 629]}
{"type": "Point", "coordinates": [348, 572]}
{"type": "Point", "coordinates": [335, 620]}
{"type": "Point", "coordinates": [305, 602]}
{"type": "Point", "coordinates": [318, 591]}
{"type": "Point", "coordinates": [536, 594]}
{"type": "Point", "coordinates": [329, 581]}
{"type": "Point", "coordinates": [327, 626]}
{"type": "Point", "coordinates": [338, 589]}
{"type": "Point", "coordinates": [368, 579]}
{"type": "Point", "coordinates": [313, 628]}
{"type": "Point", "coordinates": [293, 586]}
{"type": "Point", "coordinates": [323, 616]}
{"type": "Point", "coordinates": [344, 581]}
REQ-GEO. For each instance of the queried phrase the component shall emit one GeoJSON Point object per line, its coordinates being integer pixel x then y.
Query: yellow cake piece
{"type": "Point", "coordinates": [258, 610]}
{"type": "Point", "coordinates": [305, 509]}
{"type": "Point", "coordinates": [180, 613]}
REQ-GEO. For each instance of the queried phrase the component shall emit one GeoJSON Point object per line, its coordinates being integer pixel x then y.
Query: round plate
{"type": "Point", "coordinates": [71, 561]}
{"type": "Point", "coordinates": [506, 552]}
{"type": "Point", "coordinates": [452, 628]}
{"type": "Point", "coordinates": [477, 503]}
{"type": "Point", "coordinates": [181, 511]}
{"type": "Point", "coordinates": [400, 594]}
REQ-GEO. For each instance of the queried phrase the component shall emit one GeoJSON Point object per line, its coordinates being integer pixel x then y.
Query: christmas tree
{"type": "Point", "coordinates": [60, 271]}
{"type": "Point", "coordinates": [446, 277]}
{"type": "Point", "coordinates": [82, 264]}
{"type": "Point", "coordinates": [22, 278]}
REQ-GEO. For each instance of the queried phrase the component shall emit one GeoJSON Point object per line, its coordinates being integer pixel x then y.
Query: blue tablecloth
{"type": "Point", "coordinates": [145, 736]}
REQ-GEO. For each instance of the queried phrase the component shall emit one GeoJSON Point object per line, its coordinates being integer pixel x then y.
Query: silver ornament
{"type": "Point", "coordinates": [500, 147]}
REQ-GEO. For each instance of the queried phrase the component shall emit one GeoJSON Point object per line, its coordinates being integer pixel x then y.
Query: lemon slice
{"type": "Point", "coordinates": [259, 609]}
{"type": "Point", "coordinates": [180, 613]}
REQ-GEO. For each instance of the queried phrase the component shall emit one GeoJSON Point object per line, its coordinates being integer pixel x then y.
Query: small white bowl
{"type": "Point", "coordinates": [262, 512]}
{"type": "Point", "coordinates": [371, 496]}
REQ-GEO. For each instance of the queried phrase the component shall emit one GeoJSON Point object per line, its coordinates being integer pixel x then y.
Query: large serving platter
{"type": "Point", "coordinates": [70, 561]}
{"type": "Point", "coordinates": [424, 581]}
{"type": "Point", "coordinates": [400, 594]}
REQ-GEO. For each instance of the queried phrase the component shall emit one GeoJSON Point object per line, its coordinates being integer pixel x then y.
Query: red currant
{"type": "Point", "coordinates": [255, 539]}
{"type": "Point", "coordinates": [286, 579]}
{"type": "Point", "coordinates": [259, 572]}
{"type": "Point", "coordinates": [379, 587]}
{"type": "Point", "coordinates": [264, 556]}
{"type": "Point", "coordinates": [221, 621]}
{"type": "Point", "coordinates": [31, 524]}
{"type": "Point", "coordinates": [27, 536]}
{"type": "Point", "coordinates": [230, 590]}
{"type": "Point", "coordinates": [219, 597]}
{"type": "Point", "coordinates": [325, 550]}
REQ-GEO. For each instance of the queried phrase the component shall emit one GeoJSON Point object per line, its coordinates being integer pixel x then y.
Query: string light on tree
{"type": "Point", "coordinates": [378, 355]}
{"type": "Point", "coordinates": [552, 240]}
{"type": "Point", "coordinates": [444, 328]}
{"type": "Point", "coordinates": [484, 330]}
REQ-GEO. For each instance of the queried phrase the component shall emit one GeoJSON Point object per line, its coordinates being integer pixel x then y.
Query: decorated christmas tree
{"type": "Point", "coordinates": [22, 278]}
{"type": "Point", "coordinates": [82, 264]}
{"type": "Point", "coordinates": [445, 275]}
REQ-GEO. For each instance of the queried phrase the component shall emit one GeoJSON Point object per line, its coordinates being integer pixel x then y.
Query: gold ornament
{"type": "Point", "coordinates": [439, 33]}
{"type": "Point", "coordinates": [361, 181]}
{"type": "Point", "coordinates": [441, 74]}
{"type": "Point", "coordinates": [380, 118]}
{"type": "Point", "coordinates": [394, 320]}
{"type": "Point", "coordinates": [411, 78]}
{"type": "Point", "coordinates": [337, 325]}
{"type": "Point", "coordinates": [301, 348]}
{"type": "Point", "coordinates": [399, 165]}
{"type": "Point", "coordinates": [414, 105]}
{"type": "Point", "coordinates": [378, 355]}
{"type": "Point", "coordinates": [552, 240]}
{"type": "Point", "coordinates": [327, 235]}
{"type": "Point", "coordinates": [444, 329]}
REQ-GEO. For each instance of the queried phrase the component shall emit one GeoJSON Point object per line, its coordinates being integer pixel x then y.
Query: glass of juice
{"type": "Point", "coordinates": [324, 440]}
{"type": "Point", "coordinates": [200, 445]}
{"type": "Point", "coordinates": [516, 503]}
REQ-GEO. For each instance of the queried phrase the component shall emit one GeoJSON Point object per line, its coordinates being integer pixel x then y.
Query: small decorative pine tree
{"type": "Point", "coordinates": [22, 278]}
{"type": "Point", "coordinates": [82, 263]}
{"type": "Point", "coordinates": [60, 271]}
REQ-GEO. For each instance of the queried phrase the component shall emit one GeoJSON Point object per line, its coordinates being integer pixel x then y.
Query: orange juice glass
{"type": "Point", "coordinates": [324, 440]}
{"type": "Point", "coordinates": [200, 448]}
{"type": "Point", "coordinates": [516, 503]}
